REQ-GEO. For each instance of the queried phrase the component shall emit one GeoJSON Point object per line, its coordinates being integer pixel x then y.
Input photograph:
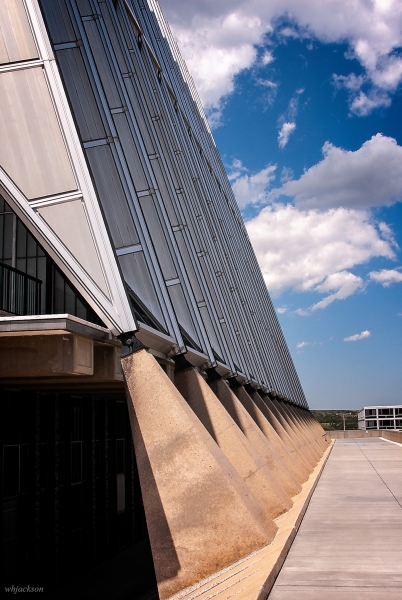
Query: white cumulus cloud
{"type": "Point", "coordinates": [357, 336]}
{"type": "Point", "coordinates": [315, 245]}
{"type": "Point", "coordinates": [342, 285]}
{"type": "Point", "coordinates": [267, 58]}
{"type": "Point", "coordinates": [370, 176]}
{"type": "Point", "coordinates": [315, 250]}
{"type": "Point", "coordinates": [301, 344]}
{"type": "Point", "coordinates": [284, 133]}
{"type": "Point", "coordinates": [363, 104]}
{"type": "Point", "coordinates": [251, 189]}
{"type": "Point", "coordinates": [386, 276]}
{"type": "Point", "coordinates": [219, 39]}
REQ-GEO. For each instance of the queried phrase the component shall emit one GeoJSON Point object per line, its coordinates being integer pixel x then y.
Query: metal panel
{"type": "Point", "coordinates": [249, 286]}
{"type": "Point", "coordinates": [110, 85]}
{"type": "Point", "coordinates": [117, 212]}
{"type": "Point", "coordinates": [47, 121]}
{"type": "Point", "coordinates": [158, 238]}
{"type": "Point", "coordinates": [131, 153]}
{"type": "Point", "coordinates": [182, 245]}
{"type": "Point", "coordinates": [16, 39]}
{"type": "Point", "coordinates": [58, 21]}
{"type": "Point", "coordinates": [32, 149]}
{"type": "Point", "coordinates": [190, 267]}
{"type": "Point", "coordinates": [136, 274]}
{"type": "Point", "coordinates": [216, 345]}
{"type": "Point", "coordinates": [82, 97]}
{"type": "Point", "coordinates": [70, 223]}
{"type": "Point", "coordinates": [183, 314]}
{"type": "Point", "coordinates": [133, 95]}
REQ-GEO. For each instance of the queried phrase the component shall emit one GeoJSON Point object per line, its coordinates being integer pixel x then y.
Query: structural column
{"type": "Point", "coordinates": [309, 428]}
{"type": "Point", "coordinates": [296, 439]}
{"type": "Point", "coordinates": [285, 473]}
{"type": "Point", "coordinates": [241, 417]}
{"type": "Point", "coordinates": [200, 514]}
{"type": "Point", "coordinates": [232, 442]}
{"type": "Point", "coordinates": [289, 456]}
{"type": "Point", "coordinates": [299, 430]}
{"type": "Point", "coordinates": [287, 439]}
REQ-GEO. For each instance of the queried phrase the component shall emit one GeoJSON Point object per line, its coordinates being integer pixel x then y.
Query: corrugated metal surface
{"type": "Point", "coordinates": [43, 173]}
{"type": "Point", "coordinates": [174, 221]}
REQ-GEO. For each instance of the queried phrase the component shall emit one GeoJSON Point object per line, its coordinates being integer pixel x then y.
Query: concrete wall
{"type": "Point", "coordinates": [393, 436]}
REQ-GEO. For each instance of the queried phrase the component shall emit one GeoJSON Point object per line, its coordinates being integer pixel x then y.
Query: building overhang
{"type": "Point", "coordinates": [57, 349]}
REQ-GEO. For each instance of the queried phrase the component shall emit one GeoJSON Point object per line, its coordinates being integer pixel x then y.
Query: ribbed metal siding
{"type": "Point", "coordinates": [169, 206]}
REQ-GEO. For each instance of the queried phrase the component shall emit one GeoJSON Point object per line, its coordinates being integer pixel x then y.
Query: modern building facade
{"type": "Point", "coordinates": [380, 417]}
{"type": "Point", "coordinates": [149, 398]}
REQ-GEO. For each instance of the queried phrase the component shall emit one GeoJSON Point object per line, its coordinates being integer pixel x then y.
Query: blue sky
{"type": "Point", "coordinates": [305, 102]}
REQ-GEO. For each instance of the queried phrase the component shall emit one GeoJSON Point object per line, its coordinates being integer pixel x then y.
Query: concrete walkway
{"type": "Point", "coordinates": [349, 546]}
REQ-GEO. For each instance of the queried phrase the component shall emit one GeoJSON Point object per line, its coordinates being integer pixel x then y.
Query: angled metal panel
{"type": "Point", "coordinates": [16, 40]}
{"type": "Point", "coordinates": [262, 325]}
{"type": "Point", "coordinates": [79, 242]}
{"type": "Point", "coordinates": [69, 222]}
{"type": "Point", "coordinates": [32, 152]}
{"type": "Point", "coordinates": [169, 207]}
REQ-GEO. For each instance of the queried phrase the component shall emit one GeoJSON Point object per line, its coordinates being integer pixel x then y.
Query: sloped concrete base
{"type": "Point", "coordinates": [201, 516]}
{"type": "Point", "coordinates": [233, 443]}
{"type": "Point", "coordinates": [253, 577]}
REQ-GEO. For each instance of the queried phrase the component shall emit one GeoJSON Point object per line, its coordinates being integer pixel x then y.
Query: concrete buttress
{"type": "Point", "coordinates": [200, 514]}
{"type": "Point", "coordinates": [232, 442]}
{"type": "Point", "coordinates": [309, 430]}
{"type": "Point", "coordinates": [297, 440]}
{"type": "Point", "coordinates": [287, 439]}
{"type": "Point", "coordinates": [252, 432]}
{"type": "Point", "coordinates": [284, 473]}
{"type": "Point", "coordinates": [288, 454]}
{"type": "Point", "coordinates": [310, 443]}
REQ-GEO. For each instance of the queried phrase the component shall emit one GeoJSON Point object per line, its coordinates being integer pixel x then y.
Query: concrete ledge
{"type": "Point", "coordinates": [388, 434]}
{"type": "Point", "coordinates": [390, 441]}
{"type": "Point", "coordinates": [44, 347]}
{"type": "Point", "coordinates": [252, 577]}
{"type": "Point", "coordinates": [54, 355]}
{"type": "Point", "coordinates": [48, 324]}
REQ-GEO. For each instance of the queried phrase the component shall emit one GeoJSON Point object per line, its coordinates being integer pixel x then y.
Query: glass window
{"type": "Point", "coordinates": [385, 412]}
{"type": "Point", "coordinates": [20, 250]}
{"type": "Point", "coordinates": [387, 423]}
{"type": "Point", "coordinates": [371, 412]}
{"type": "Point", "coordinates": [371, 424]}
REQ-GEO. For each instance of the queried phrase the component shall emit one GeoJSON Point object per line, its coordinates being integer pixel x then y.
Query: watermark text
{"type": "Point", "coordinates": [16, 589]}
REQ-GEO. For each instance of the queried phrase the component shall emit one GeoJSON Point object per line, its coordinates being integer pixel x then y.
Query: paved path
{"type": "Point", "coordinates": [349, 546]}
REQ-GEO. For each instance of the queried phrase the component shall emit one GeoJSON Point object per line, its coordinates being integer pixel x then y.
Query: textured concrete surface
{"type": "Point", "coordinates": [48, 354]}
{"type": "Point", "coordinates": [248, 426]}
{"type": "Point", "coordinates": [350, 543]}
{"type": "Point", "coordinates": [287, 452]}
{"type": "Point", "coordinates": [298, 438]}
{"type": "Point", "coordinates": [241, 454]}
{"type": "Point", "coordinates": [287, 434]}
{"type": "Point", "coordinates": [200, 514]}
{"type": "Point", "coordinates": [284, 473]}
{"type": "Point", "coordinates": [252, 577]}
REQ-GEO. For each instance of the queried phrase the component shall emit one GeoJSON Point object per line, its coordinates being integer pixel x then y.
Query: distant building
{"type": "Point", "coordinates": [380, 417]}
